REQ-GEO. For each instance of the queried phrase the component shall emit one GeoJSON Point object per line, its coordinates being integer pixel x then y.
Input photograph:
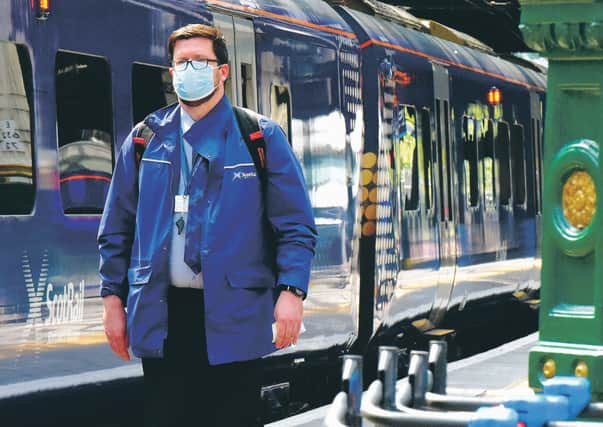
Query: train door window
{"type": "Point", "coordinates": [486, 151]}
{"type": "Point", "coordinates": [280, 108]}
{"type": "Point", "coordinates": [518, 157]}
{"type": "Point", "coordinates": [226, 26]}
{"type": "Point", "coordinates": [245, 62]}
{"type": "Point", "coordinates": [151, 89]}
{"type": "Point", "coordinates": [470, 162]}
{"type": "Point", "coordinates": [405, 151]}
{"type": "Point", "coordinates": [84, 129]}
{"type": "Point", "coordinates": [503, 163]}
{"type": "Point", "coordinates": [17, 189]}
{"type": "Point", "coordinates": [447, 165]}
{"type": "Point", "coordinates": [427, 156]}
{"type": "Point", "coordinates": [440, 161]}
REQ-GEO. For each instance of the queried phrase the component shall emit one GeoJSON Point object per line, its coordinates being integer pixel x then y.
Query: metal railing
{"type": "Point", "coordinates": [421, 398]}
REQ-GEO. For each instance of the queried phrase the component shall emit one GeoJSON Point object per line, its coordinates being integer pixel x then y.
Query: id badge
{"type": "Point", "coordinates": [181, 203]}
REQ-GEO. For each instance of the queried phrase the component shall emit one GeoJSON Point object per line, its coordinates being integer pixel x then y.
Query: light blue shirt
{"type": "Point", "coordinates": [180, 273]}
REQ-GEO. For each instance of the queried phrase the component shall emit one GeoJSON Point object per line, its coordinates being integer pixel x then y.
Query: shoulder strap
{"type": "Point", "coordinates": [141, 137]}
{"type": "Point", "coordinates": [254, 139]}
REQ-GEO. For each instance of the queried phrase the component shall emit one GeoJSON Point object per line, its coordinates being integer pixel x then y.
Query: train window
{"type": "Point", "coordinates": [17, 189]}
{"type": "Point", "coordinates": [405, 151]}
{"type": "Point", "coordinates": [503, 163]}
{"type": "Point", "coordinates": [486, 152]}
{"type": "Point", "coordinates": [151, 90]}
{"type": "Point", "coordinates": [470, 162]}
{"type": "Point", "coordinates": [518, 157]}
{"type": "Point", "coordinates": [280, 108]}
{"type": "Point", "coordinates": [84, 128]}
{"type": "Point", "coordinates": [248, 100]}
{"type": "Point", "coordinates": [427, 156]}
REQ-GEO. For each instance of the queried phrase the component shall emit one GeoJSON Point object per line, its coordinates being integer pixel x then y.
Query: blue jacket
{"type": "Point", "coordinates": [248, 247]}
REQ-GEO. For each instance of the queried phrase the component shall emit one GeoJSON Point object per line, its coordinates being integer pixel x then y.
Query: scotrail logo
{"type": "Point", "coordinates": [243, 175]}
{"type": "Point", "coordinates": [64, 304]}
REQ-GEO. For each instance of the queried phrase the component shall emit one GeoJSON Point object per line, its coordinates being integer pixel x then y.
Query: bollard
{"type": "Point", "coordinates": [417, 378]}
{"type": "Point", "coordinates": [351, 384]}
{"type": "Point", "coordinates": [387, 372]}
{"type": "Point", "coordinates": [438, 351]}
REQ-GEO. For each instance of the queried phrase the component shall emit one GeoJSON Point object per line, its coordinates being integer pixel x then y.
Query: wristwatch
{"type": "Point", "coordinates": [296, 291]}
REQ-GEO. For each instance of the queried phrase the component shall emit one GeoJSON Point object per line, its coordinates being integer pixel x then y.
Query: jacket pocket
{"type": "Point", "coordinates": [249, 279]}
{"type": "Point", "coordinates": [139, 275]}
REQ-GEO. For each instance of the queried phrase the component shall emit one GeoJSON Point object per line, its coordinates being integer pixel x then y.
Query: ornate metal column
{"type": "Point", "coordinates": [570, 34]}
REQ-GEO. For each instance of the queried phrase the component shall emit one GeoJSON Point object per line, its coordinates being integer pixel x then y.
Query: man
{"type": "Point", "coordinates": [200, 249]}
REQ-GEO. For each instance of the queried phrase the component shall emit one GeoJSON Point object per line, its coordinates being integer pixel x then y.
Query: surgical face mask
{"type": "Point", "coordinates": [193, 84]}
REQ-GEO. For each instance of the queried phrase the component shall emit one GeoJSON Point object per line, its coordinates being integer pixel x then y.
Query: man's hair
{"type": "Point", "coordinates": [198, 30]}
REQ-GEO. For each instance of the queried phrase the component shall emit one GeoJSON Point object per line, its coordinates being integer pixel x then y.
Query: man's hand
{"type": "Point", "coordinates": [288, 314]}
{"type": "Point", "coordinates": [114, 320]}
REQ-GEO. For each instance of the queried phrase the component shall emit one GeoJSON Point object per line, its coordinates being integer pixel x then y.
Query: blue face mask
{"type": "Point", "coordinates": [193, 85]}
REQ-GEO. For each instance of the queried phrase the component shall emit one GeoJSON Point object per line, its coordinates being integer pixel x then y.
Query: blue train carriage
{"type": "Point", "coordinates": [81, 74]}
{"type": "Point", "coordinates": [450, 178]}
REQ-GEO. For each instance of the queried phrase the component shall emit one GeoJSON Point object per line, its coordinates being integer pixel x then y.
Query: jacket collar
{"type": "Point", "coordinates": [208, 134]}
{"type": "Point", "coordinates": [205, 136]}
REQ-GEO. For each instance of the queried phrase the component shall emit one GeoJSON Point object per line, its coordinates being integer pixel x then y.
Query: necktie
{"type": "Point", "coordinates": [192, 245]}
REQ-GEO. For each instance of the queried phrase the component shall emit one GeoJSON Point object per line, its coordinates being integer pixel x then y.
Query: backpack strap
{"type": "Point", "coordinates": [254, 139]}
{"type": "Point", "coordinates": [141, 137]}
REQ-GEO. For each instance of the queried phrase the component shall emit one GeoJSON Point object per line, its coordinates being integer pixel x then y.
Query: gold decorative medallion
{"type": "Point", "coordinates": [579, 199]}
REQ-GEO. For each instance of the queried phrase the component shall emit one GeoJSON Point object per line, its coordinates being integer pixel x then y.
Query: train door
{"type": "Point", "coordinates": [240, 41]}
{"type": "Point", "coordinates": [444, 193]}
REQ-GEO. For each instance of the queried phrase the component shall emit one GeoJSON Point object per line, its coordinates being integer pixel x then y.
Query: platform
{"type": "Point", "coordinates": [498, 371]}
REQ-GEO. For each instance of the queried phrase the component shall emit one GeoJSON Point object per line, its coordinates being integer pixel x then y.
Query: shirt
{"type": "Point", "coordinates": [180, 273]}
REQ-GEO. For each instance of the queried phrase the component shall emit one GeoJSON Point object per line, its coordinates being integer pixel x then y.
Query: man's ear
{"type": "Point", "coordinates": [224, 72]}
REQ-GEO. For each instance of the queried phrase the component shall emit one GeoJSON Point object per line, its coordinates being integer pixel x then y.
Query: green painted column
{"type": "Point", "coordinates": [570, 34]}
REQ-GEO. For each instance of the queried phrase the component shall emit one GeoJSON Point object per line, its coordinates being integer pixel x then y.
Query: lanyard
{"type": "Point", "coordinates": [185, 170]}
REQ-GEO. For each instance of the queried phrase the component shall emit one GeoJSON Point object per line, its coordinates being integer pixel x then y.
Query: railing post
{"type": "Point", "coordinates": [387, 372]}
{"type": "Point", "coordinates": [351, 384]}
{"type": "Point", "coordinates": [417, 377]}
{"type": "Point", "coordinates": [437, 365]}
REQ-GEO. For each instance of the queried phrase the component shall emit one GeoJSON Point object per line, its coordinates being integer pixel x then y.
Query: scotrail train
{"type": "Point", "coordinates": [422, 158]}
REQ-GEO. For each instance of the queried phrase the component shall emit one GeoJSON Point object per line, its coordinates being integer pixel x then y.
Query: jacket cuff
{"type": "Point", "coordinates": [109, 289]}
{"type": "Point", "coordinates": [297, 280]}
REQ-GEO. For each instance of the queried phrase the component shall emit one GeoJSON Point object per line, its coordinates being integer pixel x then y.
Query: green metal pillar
{"type": "Point", "coordinates": [570, 34]}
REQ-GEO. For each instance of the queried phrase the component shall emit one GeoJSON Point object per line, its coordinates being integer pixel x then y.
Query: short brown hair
{"type": "Point", "coordinates": [198, 30]}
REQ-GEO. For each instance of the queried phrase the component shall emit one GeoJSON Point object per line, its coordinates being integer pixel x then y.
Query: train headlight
{"type": "Point", "coordinates": [494, 96]}
{"type": "Point", "coordinates": [579, 199]}
{"type": "Point", "coordinates": [42, 8]}
{"type": "Point", "coordinates": [549, 368]}
{"type": "Point", "coordinates": [581, 369]}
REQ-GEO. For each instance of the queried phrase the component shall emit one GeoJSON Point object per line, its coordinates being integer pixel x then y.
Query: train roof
{"type": "Point", "coordinates": [380, 32]}
{"type": "Point", "coordinates": [316, 14]}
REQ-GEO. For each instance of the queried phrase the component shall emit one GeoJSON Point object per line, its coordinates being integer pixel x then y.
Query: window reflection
{"type": "Point", "coordinates": [405, 152]}
{"type": "Point", "coordinates": [84, 122]}
{"type": "Point", "coordinates": [280, 108]}
{"type": "Point", "coordinates": [17, 189]}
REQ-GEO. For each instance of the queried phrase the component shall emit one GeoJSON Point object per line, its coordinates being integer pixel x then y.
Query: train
{"type": "Point", "coordinates": [421, 149]}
